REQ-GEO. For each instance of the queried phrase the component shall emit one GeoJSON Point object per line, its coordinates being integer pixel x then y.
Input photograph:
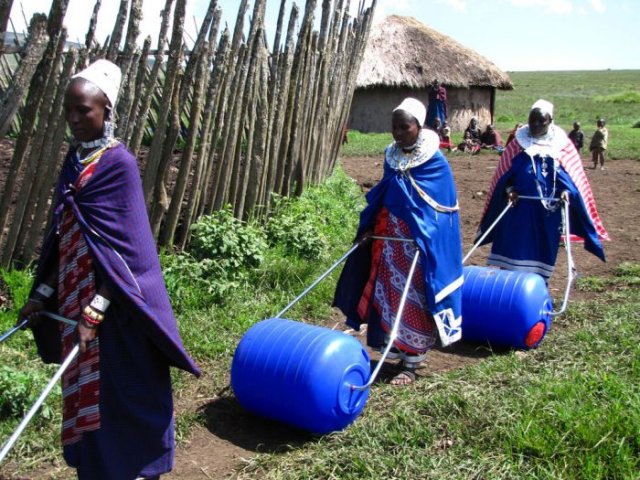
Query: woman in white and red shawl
{"type": "Point", "coordinates": [99, 267]}
{"type": "Point", "coordinates": [416, 199]}
{"type": "Point", "coordinates": [541, 162]}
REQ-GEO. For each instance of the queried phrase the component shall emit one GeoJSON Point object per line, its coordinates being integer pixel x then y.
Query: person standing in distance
{"type": "Point", "coordinates": [599, 144]}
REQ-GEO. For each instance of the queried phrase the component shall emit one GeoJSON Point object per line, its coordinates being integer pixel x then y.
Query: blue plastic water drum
{"type": "Point", "coordinates": [300, 375]}
{"type": "Point", "coordinates": [505, 307]}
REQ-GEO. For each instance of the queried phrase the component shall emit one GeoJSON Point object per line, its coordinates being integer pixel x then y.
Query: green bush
{"type": "Point", "coordinates": [20, 389]}
{"type": "Point", "coordinates": [293, 227]}
{"type": "Point", "coordinates": [194, 284]}
{"type": "Point", "coordinates": [233, 244]}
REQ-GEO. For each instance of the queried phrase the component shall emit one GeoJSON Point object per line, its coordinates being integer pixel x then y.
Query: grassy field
{"type": "Point", "coordinates": [568, 411]}
{"type": "Point", "coordinates": [577, 96]}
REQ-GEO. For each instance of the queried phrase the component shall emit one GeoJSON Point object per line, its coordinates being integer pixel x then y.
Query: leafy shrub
{"type": "Point", "coordinates": [15, 286]}
{"type": "Point", "coordinates": [20, 389]}
{"type": "Point", "coordinates": [233, 244]}
{"type": "Point", "coordinates": [194, 284]}
{"type": "Point", "coordinates": [294, 228]}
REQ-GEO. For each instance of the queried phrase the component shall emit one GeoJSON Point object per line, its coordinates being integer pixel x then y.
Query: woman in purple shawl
{"type": "Point", "coordinates": [99, 267]}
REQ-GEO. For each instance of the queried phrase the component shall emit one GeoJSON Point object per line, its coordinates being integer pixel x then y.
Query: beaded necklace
{"type": "Point", "coordinates": [406, 158]}
{"type": "Point", "coordinates": [103, 143]}
{"type": "Point", "coordinates": [550, 205]}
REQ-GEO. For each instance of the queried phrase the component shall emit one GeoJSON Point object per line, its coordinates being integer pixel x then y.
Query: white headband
{"type": "Point", "coordinates": [544, 106]}
{"type": "Point", "coordinates": [415, 108]}
{"type": "Point", "coordinates": [106, 76]}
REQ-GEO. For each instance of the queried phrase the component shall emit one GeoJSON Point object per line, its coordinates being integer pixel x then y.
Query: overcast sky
{"type": "Point", "coordinates": [514, 34]}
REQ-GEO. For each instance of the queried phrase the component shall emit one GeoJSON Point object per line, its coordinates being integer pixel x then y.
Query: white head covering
{"type": "Point", "coordinates": [414, 108]}
{"type": "Point", "coordinates": [105, 75]}
{"type": "Point", "coordinates": [544, 106]}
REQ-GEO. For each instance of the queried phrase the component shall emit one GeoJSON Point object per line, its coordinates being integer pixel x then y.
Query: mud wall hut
{"type": "Point", "coordinates": [403, 57]}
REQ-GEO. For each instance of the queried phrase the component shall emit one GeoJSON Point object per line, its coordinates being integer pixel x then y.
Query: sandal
{"type": "Point", "coordinates": [407, 373]}
{"type": "Point", "coordinates": [405, 377]}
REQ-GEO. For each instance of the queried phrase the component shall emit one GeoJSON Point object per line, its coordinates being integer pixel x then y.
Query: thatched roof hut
{"type": "Point", "coordinates": [403, 57]}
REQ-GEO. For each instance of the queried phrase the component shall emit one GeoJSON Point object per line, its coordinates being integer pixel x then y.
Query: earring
{"type": "Point", "coordinates": [108, 129]}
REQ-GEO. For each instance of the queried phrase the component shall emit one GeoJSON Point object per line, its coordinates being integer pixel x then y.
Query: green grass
{"type": "Point", "coordinates": [365, 144]}
{"type": "Point", "coordinates": [570, 410]}
{"type": "Point", "coordinates": [582, 95]}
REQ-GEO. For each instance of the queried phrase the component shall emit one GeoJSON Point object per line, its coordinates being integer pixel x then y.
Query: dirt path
{"type": "Point", "coordinates": [233, 437]}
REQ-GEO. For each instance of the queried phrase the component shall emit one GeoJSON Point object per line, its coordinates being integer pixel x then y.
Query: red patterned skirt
{"type": "Point", "coordinates": [390, 264]}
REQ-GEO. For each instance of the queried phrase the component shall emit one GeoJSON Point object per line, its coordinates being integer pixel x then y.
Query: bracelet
{"type": "Point", "coordinates": [34, 300]}
{"type": "Point", "coordinates": [88, 322]}
{"type": "Point", "coordinates": [94, 317]}
{"type": "Point", "coordinates": [45, 290]}
{"type": "Point", "coordinates": [100, 303]}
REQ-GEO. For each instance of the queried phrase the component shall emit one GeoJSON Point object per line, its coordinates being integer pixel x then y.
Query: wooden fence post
{"type": "Point", "coordinates": [258, 123]}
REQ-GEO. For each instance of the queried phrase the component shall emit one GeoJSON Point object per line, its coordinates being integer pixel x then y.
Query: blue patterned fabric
{"type": "Point", "coordinates": [437, 235]}
{"type": "Point", "coordinates": [528, 236]}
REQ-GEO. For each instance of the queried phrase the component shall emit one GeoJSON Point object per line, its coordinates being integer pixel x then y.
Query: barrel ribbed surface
{"type": "Point", "coordinates": [503, 307]}
{"type": "Point", "coordinates": [300, 374]}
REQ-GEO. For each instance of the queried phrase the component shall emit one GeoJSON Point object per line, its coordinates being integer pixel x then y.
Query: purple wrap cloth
{"type": "Point", "coordinates": [139, 338]}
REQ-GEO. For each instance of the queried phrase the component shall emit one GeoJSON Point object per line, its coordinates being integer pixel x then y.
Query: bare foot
{"type": "Point", "coordinates": [405, 377]}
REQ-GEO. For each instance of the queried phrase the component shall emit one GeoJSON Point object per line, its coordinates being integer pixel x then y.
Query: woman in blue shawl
{"type": "Point", "coordinates": [416, 199]}
{"type": "Point", "coordinates": [99, 267]}
{"type": "Point", "coordinates": [542, 164]}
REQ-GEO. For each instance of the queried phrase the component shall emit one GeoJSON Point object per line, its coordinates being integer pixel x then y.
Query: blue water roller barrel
{"type": "Point", "coordinates": [505, 307]}
{"type": "Point", "coordinates": [300, 374]}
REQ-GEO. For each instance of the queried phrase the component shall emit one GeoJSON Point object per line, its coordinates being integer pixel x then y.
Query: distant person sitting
{"type": "Point", "coordinates": [599, 143]}
{"type": "Point", "coordinates": [491, 139]}
{"type": "Point", "coordinates": [474, 130]}
{"type": "Point", "coordinates": [512, 134]}
{"type": "Point", "coordinates": [469, 144]}
{"type": "Point", "coordinates": [445, 138]}
{"type": "Point", "coordinates": [577, 136]}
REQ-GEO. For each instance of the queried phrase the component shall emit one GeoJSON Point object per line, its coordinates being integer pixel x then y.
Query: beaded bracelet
{"type": "Point", "coordinates": [45, 290]}
{"type": "Point", "coordinates": [88, 322]}
{"type": "Point", "coordinates": [94, 317]}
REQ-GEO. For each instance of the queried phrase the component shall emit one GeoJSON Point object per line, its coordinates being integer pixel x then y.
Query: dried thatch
{"type": "Point", "coordinates": [403, 52]}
